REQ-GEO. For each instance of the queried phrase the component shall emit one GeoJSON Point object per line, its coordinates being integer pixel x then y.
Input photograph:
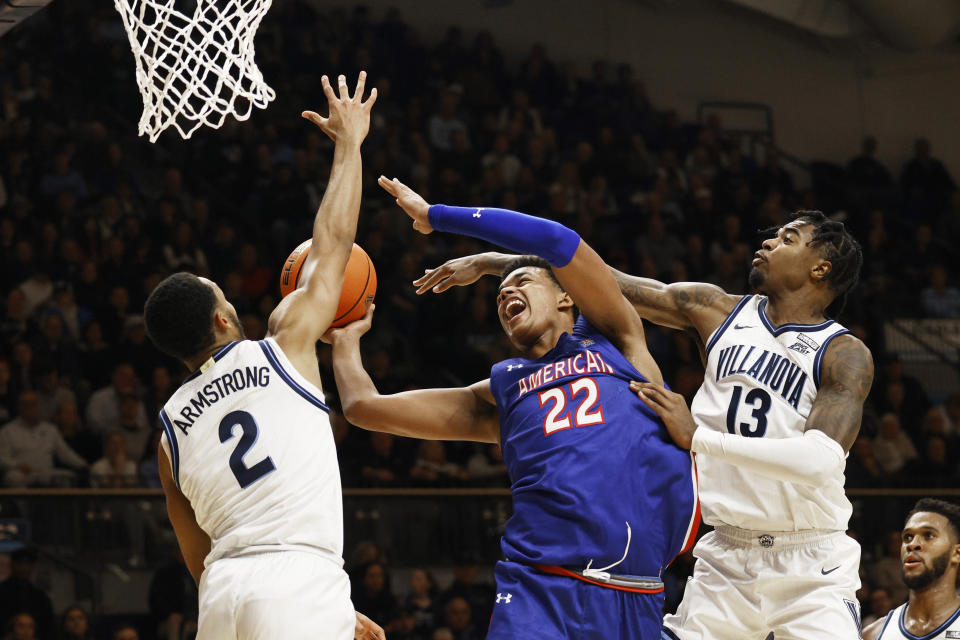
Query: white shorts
{"type": "Point", "coordinates": [747, 584]}
{"type": "Point", "coordinates": [293, 595]}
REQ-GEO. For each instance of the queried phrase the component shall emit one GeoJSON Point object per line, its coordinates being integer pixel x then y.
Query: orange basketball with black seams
{"type": "Point", "coordinates": [359, 282]}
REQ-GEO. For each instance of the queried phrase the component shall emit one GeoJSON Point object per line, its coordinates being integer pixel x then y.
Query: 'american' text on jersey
{"type": "Point", "coordinates": [775, 371]}
{"type": "Point", "coordinates": [236, 380]}
{"type": "Point", "coordinates": [583, 363]}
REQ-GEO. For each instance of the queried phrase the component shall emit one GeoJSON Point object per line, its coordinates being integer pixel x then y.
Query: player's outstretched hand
{"type": "Point", "coordinates": [672, 409]}
{"type": "Point", "coordinates": [349, 119]}
{"type": "Point", "coordinates": [367, 629]}
{"type": "Point", "coordinates": [410, 201]}
{"type": "Point", "coordinates": [459, 272]}
{"type": "Point", "coordinates": [352, 331]}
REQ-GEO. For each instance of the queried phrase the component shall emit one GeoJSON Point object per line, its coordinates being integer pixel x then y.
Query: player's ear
{"type": "Point", "coordinates": [821, 269]}
{"type": "Point", "coordinates": [221, 321]}
{"type": "Point", "coordinates": [564, 301]}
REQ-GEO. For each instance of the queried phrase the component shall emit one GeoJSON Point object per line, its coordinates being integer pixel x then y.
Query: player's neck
{"type": "Point", "coordinates": [928, 609]}
{"type": "Point", "coordinates": [794, 308]}
{"type": "Point", "coordinates": [195, 363]}
{"type": "Point", "coordinates": [546, 341]}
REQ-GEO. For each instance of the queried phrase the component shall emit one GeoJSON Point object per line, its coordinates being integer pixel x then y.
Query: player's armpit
{"type": "Point", "coordinates": [845, 380]}
{"type": "Point", "coordinates": [194, 542]}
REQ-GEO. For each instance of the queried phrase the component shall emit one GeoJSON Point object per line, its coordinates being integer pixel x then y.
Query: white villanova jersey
{"type": "Point", "coordinates": [894, 629]}
{"type": "Point", "coordinates": [760, 382]}
{"type": "Point", "coordinates": [251, 448]}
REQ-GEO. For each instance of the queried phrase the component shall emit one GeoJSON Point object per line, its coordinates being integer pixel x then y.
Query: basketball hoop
{"type": "Point", "coordinates": [194, 70]}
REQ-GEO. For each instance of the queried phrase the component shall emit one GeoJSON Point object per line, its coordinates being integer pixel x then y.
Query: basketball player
{"type": "Point", "coordinates": [780, 406]}
{"type": "Point", "coordinates": [247, 460]}
{"type": "Point", "coordinates": [930, 553]}
{"type": "Point", "coordinates": [603, 500]}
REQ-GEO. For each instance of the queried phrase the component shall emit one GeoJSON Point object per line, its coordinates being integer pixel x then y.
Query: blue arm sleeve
{"type": "Point", "coordinates": [511, 230]}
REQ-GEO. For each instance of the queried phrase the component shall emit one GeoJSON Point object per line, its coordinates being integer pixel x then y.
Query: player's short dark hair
{"type": "Point", "coordinates": [837, 245]}
{"type": "Point", "coordinates": [948, 510]}
{"type": "Point", "coordinates": [179, 315]}
{"type": "Point", "coordinates": [530, 261]}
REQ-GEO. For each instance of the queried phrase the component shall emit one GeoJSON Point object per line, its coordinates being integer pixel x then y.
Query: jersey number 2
{"type": "Point", "coordinates": [760, 401]}
{"type": "Point", "coordinates": [585, 415]}
{"type": "Point", "coordinates": [246, 476]}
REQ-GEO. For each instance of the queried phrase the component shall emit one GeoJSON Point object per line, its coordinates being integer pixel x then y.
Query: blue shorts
{"type": "Point", "coordinates": [532, 604]}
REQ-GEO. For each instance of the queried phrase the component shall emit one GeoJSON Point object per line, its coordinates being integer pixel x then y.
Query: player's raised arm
{"type": "Point", "coordinates": [581, 272]}
{"type": "Point", "coordinates": [465, 413]}
{"type": "Point", "coordinates": [304, 315]}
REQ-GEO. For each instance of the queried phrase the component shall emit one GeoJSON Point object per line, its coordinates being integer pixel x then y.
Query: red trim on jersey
{"type": "Point", "coordinates": [692, 537]}
{"type": "Point", "coordinates": [695, 517]}
{"type": "Point", "coordinates": [560, 571]}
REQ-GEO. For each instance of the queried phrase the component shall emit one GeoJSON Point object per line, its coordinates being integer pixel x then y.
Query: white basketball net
{"type": "Point", "coordinates": [195, 70]}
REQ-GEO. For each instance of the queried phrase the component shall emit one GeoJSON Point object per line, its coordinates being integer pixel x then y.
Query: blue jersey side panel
{"type": "Point", "coordinates": [586, 457]}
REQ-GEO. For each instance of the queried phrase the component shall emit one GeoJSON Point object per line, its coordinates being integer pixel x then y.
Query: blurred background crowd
{"type": "Point", "coordinates": [92, 218]}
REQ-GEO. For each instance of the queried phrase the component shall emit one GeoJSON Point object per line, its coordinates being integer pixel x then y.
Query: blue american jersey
{"type": "Point", "coordinates": [586, 457]}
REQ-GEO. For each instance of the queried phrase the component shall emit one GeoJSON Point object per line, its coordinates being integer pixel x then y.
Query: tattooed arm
{"type": "Point", "coordinates": [681, 305]}
{"type": "Point", "coordinates": [691, 306]}
{"type": "Point", "coordinates": [845, 381]}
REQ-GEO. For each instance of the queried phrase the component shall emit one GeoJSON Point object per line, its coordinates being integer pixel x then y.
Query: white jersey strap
{"type": "Point", "coordinates": [718, 332]}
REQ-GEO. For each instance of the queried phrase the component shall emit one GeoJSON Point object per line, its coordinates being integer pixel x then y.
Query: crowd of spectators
{"type": "Point", "coordinates": [92, 218]}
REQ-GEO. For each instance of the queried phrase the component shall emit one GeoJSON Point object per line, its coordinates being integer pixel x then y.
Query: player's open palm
{"type": "Point", "coordinates": [352, 331]}
{"type": "Point", "coordinates": [410, 201]}
{"type": "Point", "coordinates": [349, 119]}
{"type": "Point", "coordinates": [458, 272]}
{"type": "Point", "coordinates": [672, 409]}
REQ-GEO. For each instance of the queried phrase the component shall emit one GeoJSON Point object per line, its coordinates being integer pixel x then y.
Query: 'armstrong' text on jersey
{"type": "Point", "coordinates": [217, 389]}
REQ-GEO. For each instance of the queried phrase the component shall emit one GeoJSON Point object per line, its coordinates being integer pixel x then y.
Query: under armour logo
{"type": "Point", "coordinates": [504, 598]}
{"type": "Point", "coordinates": [511, 367]}
{"type": "Point", "coordinates": [477, 214]}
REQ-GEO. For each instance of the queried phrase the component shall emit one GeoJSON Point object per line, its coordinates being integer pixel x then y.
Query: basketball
{"type": "Point", "coordinates": [359, 282]}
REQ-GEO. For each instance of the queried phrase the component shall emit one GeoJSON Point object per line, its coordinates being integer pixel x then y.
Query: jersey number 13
{"type": "Point", "coordinates": [760, 401]}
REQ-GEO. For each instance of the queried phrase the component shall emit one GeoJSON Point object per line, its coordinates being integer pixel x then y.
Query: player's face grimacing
{"type": "Point", "coordinates": [785, 262]}
{"type": "Point", "coordinates": [528, 301]}
{"type": "Point", "coordinates": [928, 549]}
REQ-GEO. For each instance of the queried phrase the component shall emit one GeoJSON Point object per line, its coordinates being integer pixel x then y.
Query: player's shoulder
{"type": "Point", "coordinates": [873, 630]}
{"type": "Point", "coordinates": [848, 355]}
